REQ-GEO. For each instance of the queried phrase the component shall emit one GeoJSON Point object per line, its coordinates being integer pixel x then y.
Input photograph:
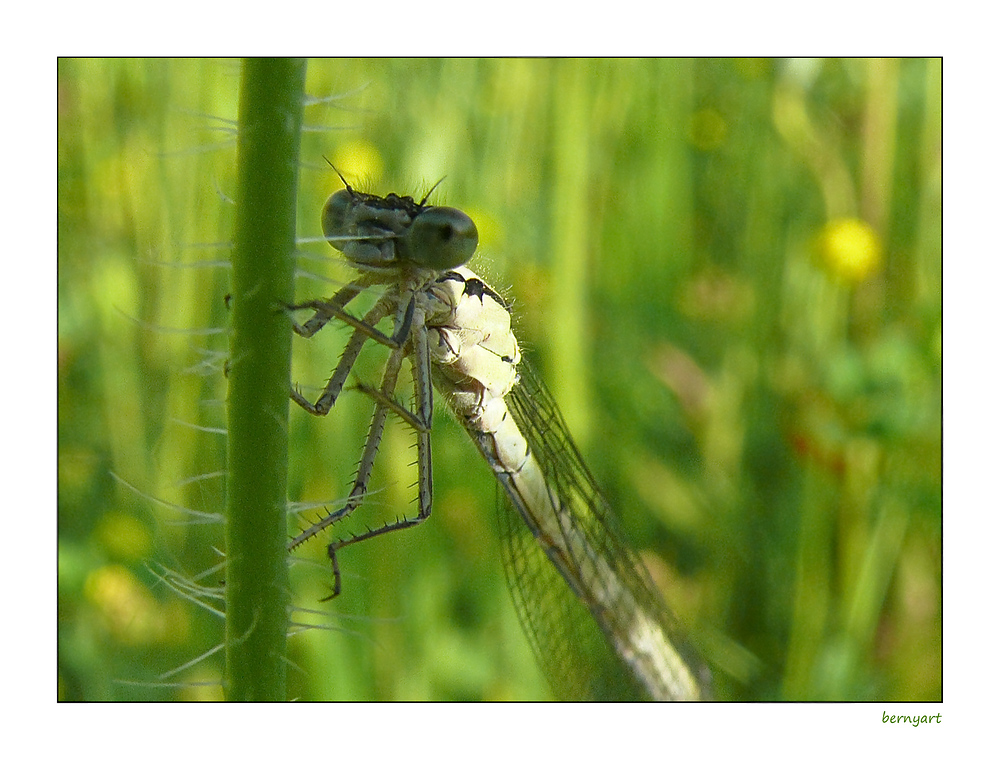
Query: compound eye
{"type": "Point", "coordinates": [335, 217]}
{"type": "Point", "coordinates": [442, 238]}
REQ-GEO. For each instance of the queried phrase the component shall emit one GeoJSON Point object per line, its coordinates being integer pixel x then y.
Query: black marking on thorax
{"type": "Point", "coordinates": [474, 287]}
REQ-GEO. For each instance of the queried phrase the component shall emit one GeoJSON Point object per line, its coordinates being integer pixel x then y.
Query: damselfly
{"type": "Point", "coordinates": [567, 565]}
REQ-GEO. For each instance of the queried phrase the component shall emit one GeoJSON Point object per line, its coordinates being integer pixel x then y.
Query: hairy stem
{"type": "Point", "coordinates": [257, 593]}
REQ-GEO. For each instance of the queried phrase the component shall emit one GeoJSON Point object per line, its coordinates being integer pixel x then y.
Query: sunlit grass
{"type": "Point", "coordinates": [728, 272]}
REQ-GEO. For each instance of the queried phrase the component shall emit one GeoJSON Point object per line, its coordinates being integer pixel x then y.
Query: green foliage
{"type": "Point", "coordinates": [728, 271]}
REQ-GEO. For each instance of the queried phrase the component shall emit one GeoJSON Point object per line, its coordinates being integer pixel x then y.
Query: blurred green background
{"type": "Point", "coordinates": [728, 271]}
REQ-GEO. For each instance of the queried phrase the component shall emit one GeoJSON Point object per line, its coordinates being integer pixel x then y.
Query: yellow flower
{"type": "Point", "coordinates": [850, 249]}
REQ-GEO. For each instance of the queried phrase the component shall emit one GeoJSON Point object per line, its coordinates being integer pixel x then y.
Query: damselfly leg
{"type": "Point", "coordinates": [407, 321]}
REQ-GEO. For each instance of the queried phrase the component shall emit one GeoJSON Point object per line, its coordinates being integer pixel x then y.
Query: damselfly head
{"type": "Point", "coordinates": [396, 231]}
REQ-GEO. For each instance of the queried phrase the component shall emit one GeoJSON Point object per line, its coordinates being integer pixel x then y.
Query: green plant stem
{"type": "Point", "coordinates": [257, 593]}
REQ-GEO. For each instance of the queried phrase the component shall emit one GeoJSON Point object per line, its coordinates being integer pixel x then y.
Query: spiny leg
{"type": "Point", "coordinates": [364, 330]}
{"type": "Point", "coordinates": [403, 321]}
{"type": "Point", "coordinates": [327, 309]}
{"type": "Point", "coordinates": [423, 392]}
{"type": "Point", "coordinates": [421, 423]}
{"type": "Point", "coordinates": [420, 419]}
{"type": "Point", "coordinates": [389, 376]}
{"type": "Point", "coordinates": [372, 442]}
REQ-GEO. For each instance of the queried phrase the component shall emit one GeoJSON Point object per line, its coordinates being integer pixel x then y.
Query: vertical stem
{"type": "Point", "coordinates": [257, 591]}
{"type": "Point", "coordinates": [571, 245]}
